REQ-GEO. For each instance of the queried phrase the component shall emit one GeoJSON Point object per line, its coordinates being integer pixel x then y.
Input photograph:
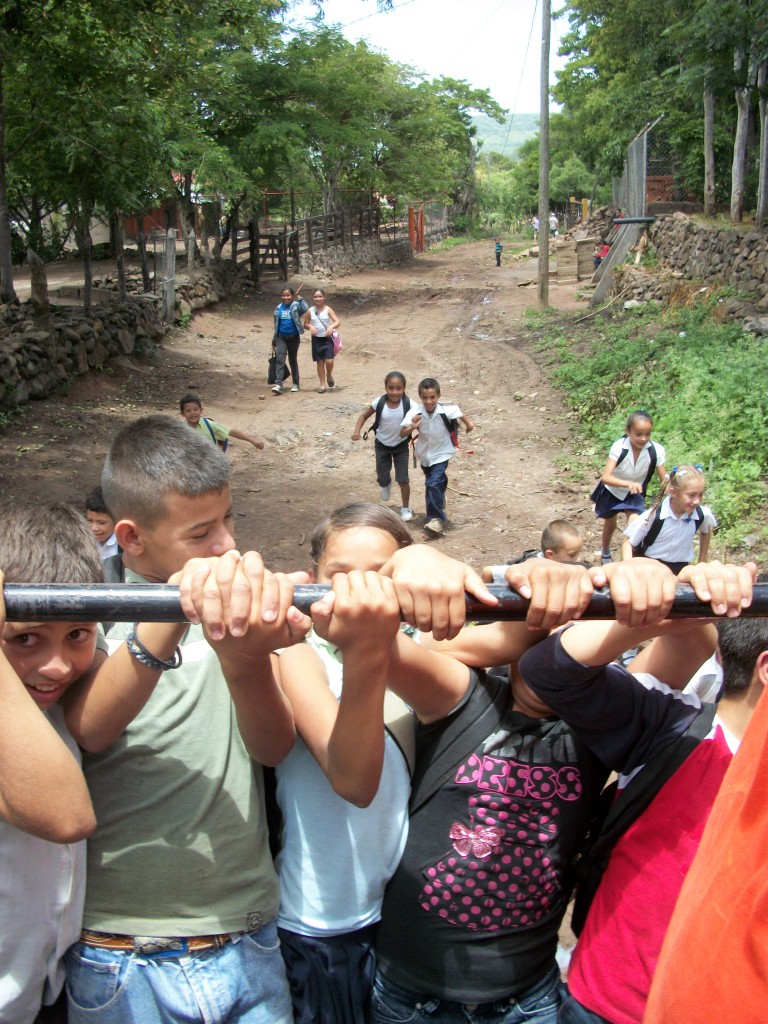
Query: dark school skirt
{"type": "Point", "coordinates": [331, 979]}
{"type": "Point", "coordinates": [607, 504]}
{"type": "Point", "coordinates": [322, 348]}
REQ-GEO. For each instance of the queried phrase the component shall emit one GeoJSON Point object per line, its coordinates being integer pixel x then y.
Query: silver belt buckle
{"type": "Point", "coordinates": [151, 945]}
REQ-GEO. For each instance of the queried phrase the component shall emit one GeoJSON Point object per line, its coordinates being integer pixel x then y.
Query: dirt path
{"type": "Point", "coordinates": [450, 314]}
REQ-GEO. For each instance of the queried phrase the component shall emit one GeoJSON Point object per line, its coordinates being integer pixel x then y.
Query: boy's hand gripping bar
{"type": "Point", "coordinates": [158, 602]}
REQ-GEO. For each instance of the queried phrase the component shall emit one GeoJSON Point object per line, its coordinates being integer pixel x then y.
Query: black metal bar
{"type": "Point", "coordinates": [633, 220]}
{"type": "Point", "coordinates": [156, 602]}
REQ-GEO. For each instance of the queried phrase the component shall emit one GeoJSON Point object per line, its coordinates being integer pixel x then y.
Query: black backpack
{"type": "Point", "coordinates": [638, 550]}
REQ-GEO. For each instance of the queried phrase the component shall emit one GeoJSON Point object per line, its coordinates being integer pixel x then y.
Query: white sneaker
{"type": "Point", "coordinates": [295, 388]}
{"type": "Point", "coordinates": [384, 492]}
{"type": "Point", "coordinates": [278, 389]}
{"type": "Point", "coordinates": [435, 526]}
{"type": "Point", "coordinates": [406, 515]}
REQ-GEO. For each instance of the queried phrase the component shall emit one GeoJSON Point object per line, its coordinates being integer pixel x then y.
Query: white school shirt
{"type": "Point", "coordinates": [337, 858]}
{"type": "Point", "coordinates": [628, 469]}
{"type": "Point", "coordinates": [388, 431]}
{"type": "Point", "coordinates": [674, 542]}
{"type": "Point", "coordinates": [108, 548]}
{"type": "Point", "coordinates": [42, 891]}
{"type": "Point", "coordinates": [434, 442]}
{"type": "Point", "coordinates": [320, 320]}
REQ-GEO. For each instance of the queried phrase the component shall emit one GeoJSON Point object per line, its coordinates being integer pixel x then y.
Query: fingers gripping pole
{"type": "Point", "coordinates": [157, 602]}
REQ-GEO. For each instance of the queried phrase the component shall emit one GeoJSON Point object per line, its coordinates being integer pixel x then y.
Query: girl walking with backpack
{"type": "Point", "coordinates": [389, 411]}
{"type": "Point", "coordinates": [631, 463]}
{"type": "Point", "coordinates": [667, 530]}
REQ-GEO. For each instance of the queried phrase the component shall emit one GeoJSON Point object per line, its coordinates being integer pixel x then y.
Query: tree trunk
{"type": "Point", "coordinates": [7, 291]}
{"type": "Point", "coordinates": [39, 280]}
{"type": "Point", "coordinates": [118, 242]}
{"type": "Point", "coordinates": [85, 245]}
{"type": "Point", "coordinates": [710, 201]}
{"type": "Point", "coordinates": [742, 91]}
{"type": "Point", "coordinates": [762, 189]}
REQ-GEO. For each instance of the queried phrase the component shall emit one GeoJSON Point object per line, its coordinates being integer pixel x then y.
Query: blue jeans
{"type": "Point", "coordinates": [241, 982]}
{"type": "Point", "coordinates": [436, 484]}
{"type": "Point", "coordinates": [573, 1012]}
{"type": "Point", "coordinates": [393, 1004]}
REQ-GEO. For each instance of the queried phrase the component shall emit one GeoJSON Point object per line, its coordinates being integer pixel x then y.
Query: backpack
{"type": "Point", "coordinates": [452, 426]}
{"type": "Point", "coordinates": [653, 455]}
{"type": "Point", "coordinates": [614, 814]}
{"type": "Point", "coordinates": [638, 550]}
{"type": "Point", "coordinates": [221, 444]}
{"type": "Point", "coordinates": [377, 416]}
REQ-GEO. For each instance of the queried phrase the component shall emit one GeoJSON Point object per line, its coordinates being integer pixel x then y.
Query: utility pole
{"type": "Point", "coordinates": [546, 24]}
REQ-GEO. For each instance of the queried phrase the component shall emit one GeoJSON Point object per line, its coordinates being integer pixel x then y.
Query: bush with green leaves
{"type": "Point", "coordinates": [701, 380]}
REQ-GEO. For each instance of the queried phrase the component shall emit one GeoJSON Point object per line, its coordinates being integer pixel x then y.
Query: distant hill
{"type": "Point", "coordinates": [501, 138]}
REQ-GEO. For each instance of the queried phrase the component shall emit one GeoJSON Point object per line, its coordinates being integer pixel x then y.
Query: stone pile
{"type": "Point", "coordinates": [326, 263]}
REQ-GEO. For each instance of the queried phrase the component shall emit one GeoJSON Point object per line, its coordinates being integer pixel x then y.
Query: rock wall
{"type": "Point", "coordinates": [715, 257]}
{"type": "Point", "coordinates": [35, 359]}
{"type": "Point", "coordinates": [327, 263]}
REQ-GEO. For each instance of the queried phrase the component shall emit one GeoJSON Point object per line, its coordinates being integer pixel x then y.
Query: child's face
{"type": "Point", "coordinates": [318, 298]}
{"type": "Point", "coordinates": [102, 526]}
{"type": "Point", "coordinates": [192, 412]}
{"type": "Point", "coordinates": [358, 547]}
{"type": "Point", "coordinates": [50, 656]}
{"type": "Point", "coordinates": [429, 398]}
{"type": "Point", "coordinates": [686, 500]}
{"type": "Point", "coordinates": [199, 527]}
{"type": "Point", "coordinates": [569, 551]}
{"type": "Point", "coordinates": [395, 390]}
{"type": "Point", "coordinates": [287, 297]}
{"type": "Point", "coordinates": [640, 434]}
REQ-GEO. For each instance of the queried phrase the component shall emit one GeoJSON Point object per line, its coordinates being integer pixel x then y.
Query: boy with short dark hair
{"type": "Point", "coordinates": [182, 895]}
{"type": "Point", "coordinates": [44, 801]}
{"type": "Point", "coordinates": [435, 444]}
{"type": "Point", "coordinates": [191, 408]}
{"type": "Point", "coordinates": [101, 524]}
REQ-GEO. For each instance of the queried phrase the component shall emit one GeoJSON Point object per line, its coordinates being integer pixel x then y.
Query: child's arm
{"type": "Point", "coordinates": [246, 437]}
{"type": "Point", "coordinates": [247, 614]}
{"type": "Point", "coordinates": [468, 424]}
{"type": "Point", "coordinates": [42, 789]}
{"type": "Point", "coordinates": [346, 737]}
{"type": "Point", "coordinates": [335, 322]}
{"type": "Point", "coordinates": [364, 415]}
{"type": "Point", "coordinates": [704, 539]}
{"type": "Point", "coordinates": [411, 422]}
{"type": "Point", "coordinates": [307, 321]}
{"type": "Point", "coordinates": [614, 481]}
{"type": "Point", "coordinates": [102, 705]}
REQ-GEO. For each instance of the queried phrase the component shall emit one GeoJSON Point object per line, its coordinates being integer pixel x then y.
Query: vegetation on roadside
{"type": "Point", "coordinates": [700, 378]}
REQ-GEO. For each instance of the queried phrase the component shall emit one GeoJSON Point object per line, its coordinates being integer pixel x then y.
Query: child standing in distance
{"type": "Point", "coordinates": [321, 321]}
{"type": "Point", "coordinates": [286, 339]}
{"type": "Point", "coordinates": [631, 463]}
{"type": "Point", "coordinates": [44, 800]}
{"type": "Point", "coordinates": [391, 450]}
{"type": "Point", "coordinates": [559, 541]}
{"type": "Point", "coordinates": [192, 410]}
{"type": "Point", "coordinates": [667, 530]}
{"type": "Point", "coordinates": [101, 524]}
{"type": "Point", "coordinates": [435, 445]}
{"type": "Point", "coordinates": [343, 789]}
{"type": "Point", "coordinates": [498, 248]}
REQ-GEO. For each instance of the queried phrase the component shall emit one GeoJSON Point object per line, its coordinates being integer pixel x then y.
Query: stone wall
{"type": "Point", "coordinates": [328, 263]}
{"type": "Point", "coordinates": [715, 257]}
{"type": "Point", "coordinates": [35, 359]}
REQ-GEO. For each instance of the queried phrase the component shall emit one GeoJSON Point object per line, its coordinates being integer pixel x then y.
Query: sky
{"type": "Point", "coordinates": [492, 44]}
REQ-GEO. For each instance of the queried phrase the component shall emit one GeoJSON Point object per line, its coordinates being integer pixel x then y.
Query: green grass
{"type": "Point", "coordinates": [701, 379]}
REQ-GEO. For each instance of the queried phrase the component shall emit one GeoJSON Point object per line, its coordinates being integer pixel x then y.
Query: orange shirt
{"type": "Point", "coordinates": [714, 962]}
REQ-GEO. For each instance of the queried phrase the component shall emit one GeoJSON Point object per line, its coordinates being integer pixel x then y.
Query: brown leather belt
{"type": "Point", "coordinates": [152, 945]}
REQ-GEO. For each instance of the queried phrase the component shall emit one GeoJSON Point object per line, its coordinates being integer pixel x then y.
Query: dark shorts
{"type": "Point", "coordinates": [387, 457]}
{"type": "Point", "coordinates": [331, 979]}
{"type": "Point", "coordinates": [322, 349]}
{"type": "Point", "coordinates": [607, 505]}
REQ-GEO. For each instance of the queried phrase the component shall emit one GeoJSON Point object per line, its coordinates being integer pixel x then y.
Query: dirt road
{"type": "Point", "coordinates": [452, 315]}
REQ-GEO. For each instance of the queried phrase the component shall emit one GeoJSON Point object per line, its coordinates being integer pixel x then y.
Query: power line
{"type": "Point", "coordinates": [522, 74]}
